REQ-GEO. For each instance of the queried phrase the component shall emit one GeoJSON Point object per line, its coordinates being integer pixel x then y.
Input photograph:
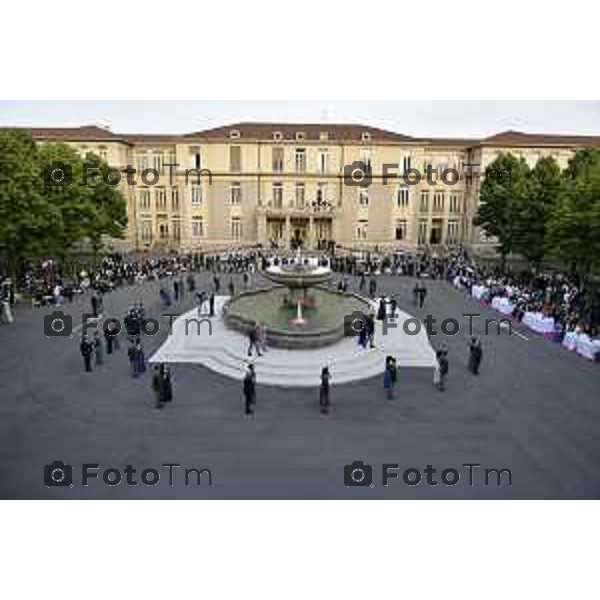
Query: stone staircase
{"type": "Point", "coordinates": [225, 352]}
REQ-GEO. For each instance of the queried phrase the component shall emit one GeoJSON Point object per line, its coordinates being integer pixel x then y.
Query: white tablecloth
{"type": "Point", "coordinates": [477, 291]}
{"type": "Point", "coordinates": [538, 322]}
{"type": "Point", "coordinates": [503, 305]}
{"type": "Point", "coordinates": [582, 344]}
{"type": "Point", "coordinates": [587, 347]}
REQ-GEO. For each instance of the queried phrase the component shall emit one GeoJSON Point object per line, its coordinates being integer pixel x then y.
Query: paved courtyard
{"type": "Point", "coordinates": [534, 409]}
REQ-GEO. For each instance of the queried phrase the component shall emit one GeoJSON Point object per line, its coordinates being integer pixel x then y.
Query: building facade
{"type": "Point", "coordinates": [289, 185]}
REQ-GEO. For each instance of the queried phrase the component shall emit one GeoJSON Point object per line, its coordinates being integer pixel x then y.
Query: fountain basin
{"type": "Point", "coordinates": [323, 313]}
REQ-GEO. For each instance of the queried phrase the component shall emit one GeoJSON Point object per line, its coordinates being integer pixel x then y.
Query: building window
{"type": "Point", "coordinates": [144, 199]}
{"type": "Point", "coordinates": [323, 161]}
{"type": "Point", "coordinates": [196, 194]}
{"type": "Point", "coordinates": [422, 232]}
{"type": "Point", "coordinates": [324, 135]}
{"type": "Point", "coordinates": [455, 204]}
{"type": "Point", "coordinates": [197, 227]}
{"type": "Point", "coordinates": [195, 157]}
{"type": "Point", "coordinates": [438, 202]}
{"type": "Point", "coordinates": [234, 134]}
{"type": "Point", "coordinates": [235, 159]}
{"type": "Point", "coordinates": [236, 228]}
{"type": "Point", "coordinates": [300, 160]}
{"type": "Point", "coordinates": [300, 136]}
{"type": "Point", "coordinates": [161, 199]}
{"type": "Point", "coordinates": [363, 196]}
{"type": "Point", "coordinates": [406, 164]}
{"type": "Point", "coordinates": [236, 193]}
{"type": "Point", "coordinates": [452, 232]}
{"type": "Point", "coordinates": [300, 195]}
{"type": "Point", "coordinates": [424, 207]}
{"type": "Point", "coordinates": [103, 153]}
{"type": "Point", "coordinates": [277, 195]}
{"type": "Point", "coordinates": [175, 198]}
{"type": "Point", "coordinates": [176, 229]}
{"type": "Point", "coordinates": [146, 231]}
{"type": "Point", "coordinates": [157, 161]}
{"type": "Point", "coordinates": [277, 136]}
{"type": "Point", "coordinates": [362, 229]}
{"type": "Point", "coordinates": [401, 227]}
{"type": "Point", "coordinates": [365, 137]}
{"type": "Point", "coordinates": [163, 231]}
{"type": "Point", "coordinates": [366, 159]}
{"type": "Point", "coordinates": [402, 196]}
{"type": "Point", "coordinates": [277, 160]}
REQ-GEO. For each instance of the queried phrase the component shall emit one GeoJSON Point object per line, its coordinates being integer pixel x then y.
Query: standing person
{"type": "Point", "coordinates": [372, 286]}
{"type": "Point", "coordinates": [252, 341]}
{"type": "Point", "coordinates": [94, 302]}
{"type": "Point", "coordinates": [422, 295]}
{"type": "Point", "coordinates": [109, 339]}
{"type": "Point", "coordinates": [261, 337]}
{"type": "Point", "coordinates": [363, 334]}
{"type": "Point", "coordinates": [176, 290]}
{"type": "Point", "coordinates": [249, 388]}
{"type": "Point", "coordinates": [167, 382]}
{"type": "Point", "coordinates": [393, 306]}
{"type": "Point", "coordinates": [245, 277]}
{"type": "Point", "coordinates": [157, 385]}
{"type": "Point", "coordinates": [363, 282]}
{"type": "Point", "coordinates": [371, 330]}
{"type": "Point", "coordinates": [140, 357]}
{"type": "Point", "coordinates": [324, 399]}
{"type": "Point", "coordinates": [211, 305]}
{"type": "Point", "coordinates": [133, 361]}
{"type": "Point", "coordinates": [381, 309]}
{"type": "Point", "coordinates": [86, 348]}
{"type": "Point", "coordinates": [231, 287]}
{"type": "Point", "coordinates": [475, 355]}
{"type": "Point", "coordinates": [416, 292]}
{"type": "Point", "coordinates": [217, 283]}
{"type": "Point", "coordinates": [390, 376]}
{"type": "Point", "coordinates": [442, 371]}
{"type": "Point", "coordinates": [98, 348]}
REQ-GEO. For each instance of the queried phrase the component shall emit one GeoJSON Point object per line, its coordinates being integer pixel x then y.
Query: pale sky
{"type": "Point", "coordinates": [418, 118]}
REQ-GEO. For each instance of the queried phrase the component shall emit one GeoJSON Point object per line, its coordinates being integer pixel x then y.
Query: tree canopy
{"type": "Point", "coordinates": [38, 220]}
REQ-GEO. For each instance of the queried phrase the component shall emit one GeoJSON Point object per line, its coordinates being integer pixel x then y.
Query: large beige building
{"type": "Point", "coordinates": [266, 184]}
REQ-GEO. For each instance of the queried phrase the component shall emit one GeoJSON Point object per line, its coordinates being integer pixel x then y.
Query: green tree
{"type": "Point", "coordinates": [534, 210]}
{"type": "Point", "coordinates": [27, 220]}
{"type": "Point", "coordinates": [503, 190]}
{"type": "Point", "coordinates": [574, 226]}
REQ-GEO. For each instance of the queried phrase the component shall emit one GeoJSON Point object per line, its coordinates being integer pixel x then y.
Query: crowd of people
{"type": "Point", "coordinates": [557, 296]}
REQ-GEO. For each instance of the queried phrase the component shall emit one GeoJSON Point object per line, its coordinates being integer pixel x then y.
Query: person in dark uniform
{"type": "Point", "coordinates": [217, 283]}
{"type": "Point", "coordinates": [252, 340]}
{"type": "Point", "coordinates": [422, 295]}
{"type": "Point", "coordinates": [381, 310]}
{"type": "Point", "coordinates": [371, 330]}
{"type": "Point", "coordinates": [249, 388]}
{"type": "Point", "coordinates": [87, 349]}
{"type": "Point", "coordinates": [211, 305]}
{"type": "Point", "coordinates": [95, 303]}
{"type": "Point", "coordinates": [324, 400]}
{"type": "Point", "coordinates": [475, 355]}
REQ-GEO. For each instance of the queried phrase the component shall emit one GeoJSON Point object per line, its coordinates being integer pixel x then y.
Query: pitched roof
{"type": "Point", "coordinates": [312, 132]}
{"type": "Point", "coordinates": [518, 138]}
{"type": "Point", "coordinates": [90, 133]}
